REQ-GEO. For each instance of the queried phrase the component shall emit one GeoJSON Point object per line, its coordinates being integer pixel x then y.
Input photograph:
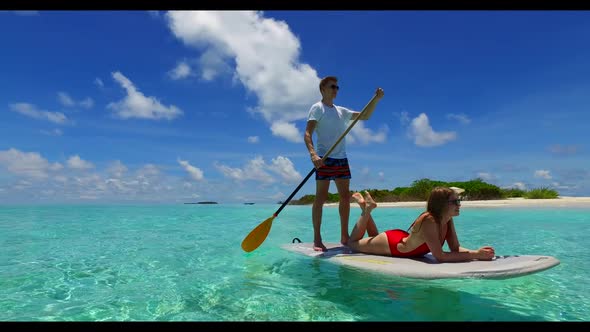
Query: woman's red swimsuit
{"type": "Point", "coordinates": [395, 236]}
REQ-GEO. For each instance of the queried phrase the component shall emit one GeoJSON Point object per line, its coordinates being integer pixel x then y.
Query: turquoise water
{"type": "Point", "coordinates": [185, 263]}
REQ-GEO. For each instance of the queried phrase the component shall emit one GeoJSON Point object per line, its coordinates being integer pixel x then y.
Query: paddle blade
{"type": "Point", "coordinates": [257, 235]}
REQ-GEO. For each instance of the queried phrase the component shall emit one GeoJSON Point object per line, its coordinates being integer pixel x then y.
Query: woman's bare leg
{"type": "Point", "coordinates": [371, 226]}
{"type": "Point", "coordinates": [367, 205]}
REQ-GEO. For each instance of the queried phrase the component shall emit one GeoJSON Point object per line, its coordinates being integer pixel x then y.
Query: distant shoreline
{"type": "Point", "coordinates": [509, 202]}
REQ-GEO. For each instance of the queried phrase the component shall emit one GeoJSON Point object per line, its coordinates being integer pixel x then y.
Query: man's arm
{"type": "Point", "coordinates": [315, 159]}
{"type": "Point", "coordinates": [311, 124]}
{"type": "Point", "coordinates": [370, 107]}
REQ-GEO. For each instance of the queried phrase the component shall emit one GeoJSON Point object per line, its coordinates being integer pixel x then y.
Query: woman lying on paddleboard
{"type": "Point", "coordinates": [427, 234]}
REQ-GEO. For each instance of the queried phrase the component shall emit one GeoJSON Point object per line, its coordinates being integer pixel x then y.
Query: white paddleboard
{"type": "Point", "coordinates": [427, 267]}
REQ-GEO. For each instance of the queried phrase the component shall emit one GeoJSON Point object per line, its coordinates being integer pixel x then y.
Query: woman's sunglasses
{"type": "Point", "coordinates": [455, 201]}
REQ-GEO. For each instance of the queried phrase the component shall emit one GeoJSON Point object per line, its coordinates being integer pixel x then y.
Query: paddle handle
{"type": "Point", "coordinates": [324, 156]}
{"type": "Point", "coordinates": [294, 192]}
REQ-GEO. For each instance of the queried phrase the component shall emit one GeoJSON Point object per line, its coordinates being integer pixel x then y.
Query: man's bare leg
{"type": "Point", "coordinates": [321, 195]}
{"type": "Point", "coordinates": [343, 186]}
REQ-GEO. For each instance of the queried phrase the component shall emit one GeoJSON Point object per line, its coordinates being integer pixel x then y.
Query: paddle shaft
{"type": "Point", "coordinates": [324, 157]}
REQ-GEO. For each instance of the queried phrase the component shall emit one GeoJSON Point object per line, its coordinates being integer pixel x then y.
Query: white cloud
{"type": "Point", "coordinates": [31, 111]}
{"type": "Point", "coordinates": [287, 131]}
{"type": "Point", "coordinates": [212, 65]}
{"type": "Point", "coordinates": [264, 55]}
{"type": "Point", "coordinates": [464, 119]}
{"type": "Point", "coordinates": [137, 105]}
{"type": "Point", "coordinates": [99, 82]}
{"type": "Point", "coordinates": [404, 117]}
{"type": "Point", "coordinates": [27, 164]}
{"type": "Point", "coordinates": [253, 170]}
{"type": "Point", "coordinates": [257, 170]}
{"type": "Point", "coordinates": [364, 135]}
{"type": "Point", "coordinates": [563, 149]}
{"type": "Point", "coordinates": [65, 99]}
{"type": "Point", "coordinates": [544, 174]}
{"type": "Point", "coordinates": [182, 70]}
{"type": "Point", "coordinates": [75, 162]}
{"type": "Point", "coordinates": [68, 101]}
{"type": "Point", "coordinates": [517, 185]}
{"type": "Point", "coordinates": [148, 171]}
{"type": "Point", "coordinates": [423, 134]}
{"type": "Point", "coordinates": [285, 168]}
{"type": "Point", "coordinates": [253, 139]}
{"type": "Point", "coordinates": [485, 176]}
{"type": "Point", "coordinates": [194, 172]}
{"type": "Point", "coordinates": [117, 169]}
{"type": "Point", "coordinates": [86, 103]}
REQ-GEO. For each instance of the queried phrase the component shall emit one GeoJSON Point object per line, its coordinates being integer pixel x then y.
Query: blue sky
{"type": "Point", "coordinates": [169, 107]}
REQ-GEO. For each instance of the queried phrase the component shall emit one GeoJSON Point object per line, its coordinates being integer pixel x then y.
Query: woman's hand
{"type": "Point", "coordinates": [485, 253]}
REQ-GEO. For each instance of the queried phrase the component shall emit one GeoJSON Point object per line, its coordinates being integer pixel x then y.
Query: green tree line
{"type": "Point", "coordinates": [475, 189]}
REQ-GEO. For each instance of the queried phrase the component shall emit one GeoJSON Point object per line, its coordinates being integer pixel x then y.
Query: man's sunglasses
{"type": "Point", "coordinates": [455, 201]}
{"type": "Point", "coordinates": [334, 87]}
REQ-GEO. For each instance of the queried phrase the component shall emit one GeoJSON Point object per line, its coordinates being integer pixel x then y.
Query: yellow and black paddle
{"type": "Point", "coordinates": [255, 238]}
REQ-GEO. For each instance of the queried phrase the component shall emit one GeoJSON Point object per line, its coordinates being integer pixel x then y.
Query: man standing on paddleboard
{"type": "Point", "coordinates": [329, 122]}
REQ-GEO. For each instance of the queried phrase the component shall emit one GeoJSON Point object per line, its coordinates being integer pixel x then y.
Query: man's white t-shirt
{"type": "Point", "coordinates": [331, 123]}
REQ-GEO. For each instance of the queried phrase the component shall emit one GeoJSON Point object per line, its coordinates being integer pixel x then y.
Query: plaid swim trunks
{"type": "Point", "coordinates": [333, 169]}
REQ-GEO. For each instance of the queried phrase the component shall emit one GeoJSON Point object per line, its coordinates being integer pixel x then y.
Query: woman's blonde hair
{"type": "Point", "coordinates": [438, 202]}
{"type": "Point", "coordinates": [437, 205]}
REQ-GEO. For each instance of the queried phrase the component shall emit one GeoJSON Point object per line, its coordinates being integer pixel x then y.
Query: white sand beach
{"type": "Point", "coordinates": [582, 202]}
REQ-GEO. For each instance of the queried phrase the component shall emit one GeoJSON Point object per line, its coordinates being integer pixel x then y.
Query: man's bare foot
{"type": "Point", "coordinates": [359, 199]}
{"type": "Point", "coordinates": [344, 240]}
{"type": "Point", "coordinates": [369, 202]}
{"type": "Point", "coordinates": [319, 247]}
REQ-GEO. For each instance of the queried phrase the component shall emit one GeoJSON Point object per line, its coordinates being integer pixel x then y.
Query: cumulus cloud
{"type": "Point", "coordinates": [253, 139]}
{"type": "Point", "coordinates": [286, 130]}
{"type": "Point", "coordinates": [543, 174]}
{"type": "Point", "coordinates": [68, 101]}
{"type": "Point", "coordinates": [517, 185]}
{"type": "Point", "coordinates": [27, 164]}
{"type": "Point", "coordinates": [285, 169]}
{"type": "Point", "coordinates": [31, 111]}
{"type": "Point", "coordinates": [212, 65]}
{"type": "Point", "coordinates": [75, 162]}
{"type": "Point", "coordinates": [264, 54]}
{"type": "Point", "coordinates": [486, 176]}
{"type": "Point", "coordinates": [182, 70]}
{"type": "Point", "coordinates": [65, 99]}
{"type": "Point", "coordinates": [117, 169]}
{"type": "Point", "coordinates": [260, 53]}
{"type": "Point", "coordinates": [194, 172]}
{"type": "Point", "coordinates": [364, 135]}
{"type": "Point", "coordinates": [258, 170]}
{"type": "Point", "coordinates": [423, 134]}
{"type": "Point", "coordinates": [137, 105]}
{"type": "Point", "coordinates": [404, 117]}
{"type": "Point", "coordinates": [464, 119]}
{"type": "Point", "coordinates": [563, 149]}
